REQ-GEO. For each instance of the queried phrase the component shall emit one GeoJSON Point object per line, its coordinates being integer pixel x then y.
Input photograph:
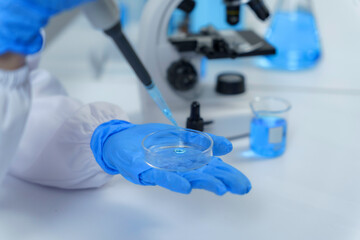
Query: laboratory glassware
{"type": "Point", "coordinates": [268, 131]}
{"type": "Point", "coordinates": [177, 149]}
{"type": "Point", "coordinates": [294, 34]}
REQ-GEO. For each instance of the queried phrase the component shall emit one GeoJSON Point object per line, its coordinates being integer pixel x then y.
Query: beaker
{"type": "Point", "coordinates": [177, 149]}
{"type": "Point", "coordinates": [268, 129]}
{"type": "Point", "coordinates": [294, 34]}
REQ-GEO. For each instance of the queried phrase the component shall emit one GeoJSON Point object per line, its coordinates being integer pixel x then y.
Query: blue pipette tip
{"type": "Point", "coordinates": [160, 102]}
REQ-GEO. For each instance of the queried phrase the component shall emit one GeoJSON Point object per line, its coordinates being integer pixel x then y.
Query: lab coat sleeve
{"type": "Point", "coordinates": [15, 101]}
{"type": "Point", "coordinates": [55, 148]}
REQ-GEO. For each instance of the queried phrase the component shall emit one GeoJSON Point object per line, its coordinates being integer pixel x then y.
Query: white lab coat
{"type": "Point", "coordinates": [55, 147]}
{"type": "Point", "coordinates": [15, 98]}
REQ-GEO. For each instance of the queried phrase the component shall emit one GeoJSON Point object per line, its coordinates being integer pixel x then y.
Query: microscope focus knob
{"type": "Point", "coordinates": [182, 75]}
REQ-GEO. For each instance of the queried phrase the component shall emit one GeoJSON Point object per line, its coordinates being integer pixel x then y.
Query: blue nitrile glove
{"type": "Point", "coordinates": [21, 21]}
{"type": "Point", "coordinates": [117, 148]}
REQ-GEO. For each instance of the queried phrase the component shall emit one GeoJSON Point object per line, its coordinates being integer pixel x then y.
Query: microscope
{"type": "Point", "coordinates": [175, 63]}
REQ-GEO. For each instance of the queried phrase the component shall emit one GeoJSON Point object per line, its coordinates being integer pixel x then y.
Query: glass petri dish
{"type": "Point", "coordinates": [177, 149]}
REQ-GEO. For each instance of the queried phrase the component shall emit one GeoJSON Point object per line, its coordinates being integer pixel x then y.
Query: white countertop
{"type": "Point", "coordinates": [311, 192]}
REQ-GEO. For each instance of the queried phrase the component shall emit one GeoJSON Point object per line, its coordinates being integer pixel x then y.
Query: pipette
{"type": "Point", "coordinates": [104, 15]}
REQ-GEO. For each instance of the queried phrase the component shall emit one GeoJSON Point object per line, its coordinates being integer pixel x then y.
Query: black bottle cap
{"type": "Point", "coordinates": [230, 83]}
{"type": "Point", "coordinates": [195, 121]}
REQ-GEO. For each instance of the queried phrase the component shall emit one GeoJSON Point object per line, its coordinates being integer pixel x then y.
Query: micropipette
{"type": "Point", "coordinates": [104, 15]}
{"type": "Point", "coordinates": [125, 47]}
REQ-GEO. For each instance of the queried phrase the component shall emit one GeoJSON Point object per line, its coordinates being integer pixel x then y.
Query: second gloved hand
{"type": "Point", "coordinates": [21, 21]}
{"type": "Point", "coordinates": [117, 148]}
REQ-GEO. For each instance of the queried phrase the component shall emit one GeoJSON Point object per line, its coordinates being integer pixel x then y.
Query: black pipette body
{"type": "Point", "coordinates": [129, 53]}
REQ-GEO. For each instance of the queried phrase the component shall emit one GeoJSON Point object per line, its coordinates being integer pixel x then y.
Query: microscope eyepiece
{"type": "Point", "coordinates": [259, 9]}
{"type": "Point", "coordinates": [233, 10]}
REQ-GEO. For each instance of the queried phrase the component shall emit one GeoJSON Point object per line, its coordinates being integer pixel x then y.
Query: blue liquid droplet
{"type": "Point", "coordinates": [179, 151]}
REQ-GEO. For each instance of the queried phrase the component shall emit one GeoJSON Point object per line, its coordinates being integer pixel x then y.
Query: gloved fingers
{"type": "Point", "coordinates": [220, 164]}
{"type": "Point", "coordinates": [222, 146]}
{"type": "Point", "coordinates": [168, 180]}
{"type": "Point", "coordinates": [235, 181]}
{"type": "Point", "coordinates": [149, 128]}
{"type": "Point", "coordinates": [199, 180]}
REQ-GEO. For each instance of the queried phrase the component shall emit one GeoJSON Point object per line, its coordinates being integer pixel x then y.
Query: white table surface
{"type": "Point", "coordinates": [311, 192]}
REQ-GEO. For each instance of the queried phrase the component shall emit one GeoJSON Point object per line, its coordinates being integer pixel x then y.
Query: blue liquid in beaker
{"type": "Point", "coordinates": [296, 39]}
{"type": "Point", "coordinates": [268, 136]}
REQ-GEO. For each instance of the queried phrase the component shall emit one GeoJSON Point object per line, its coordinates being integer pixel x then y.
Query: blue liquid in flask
{"type": "Point", "coordinates": [296, 39]}
{"type": "Point", "coordinates": [268, 136]}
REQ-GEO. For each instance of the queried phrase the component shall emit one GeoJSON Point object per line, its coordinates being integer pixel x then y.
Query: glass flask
{"type": "Point", "coordinates": [294, 34]}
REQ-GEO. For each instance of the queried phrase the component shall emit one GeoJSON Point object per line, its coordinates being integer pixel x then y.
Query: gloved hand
{"type": "Point", "coordinates": [21, 21]}
{"type": "Point", "coordinates": [117, 148]}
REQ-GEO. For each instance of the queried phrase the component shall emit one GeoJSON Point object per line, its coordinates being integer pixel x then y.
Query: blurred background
{"type": "Point", "coordinates": [311, 192]}
{"type": "Point", "coordinates": [75, 52]}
